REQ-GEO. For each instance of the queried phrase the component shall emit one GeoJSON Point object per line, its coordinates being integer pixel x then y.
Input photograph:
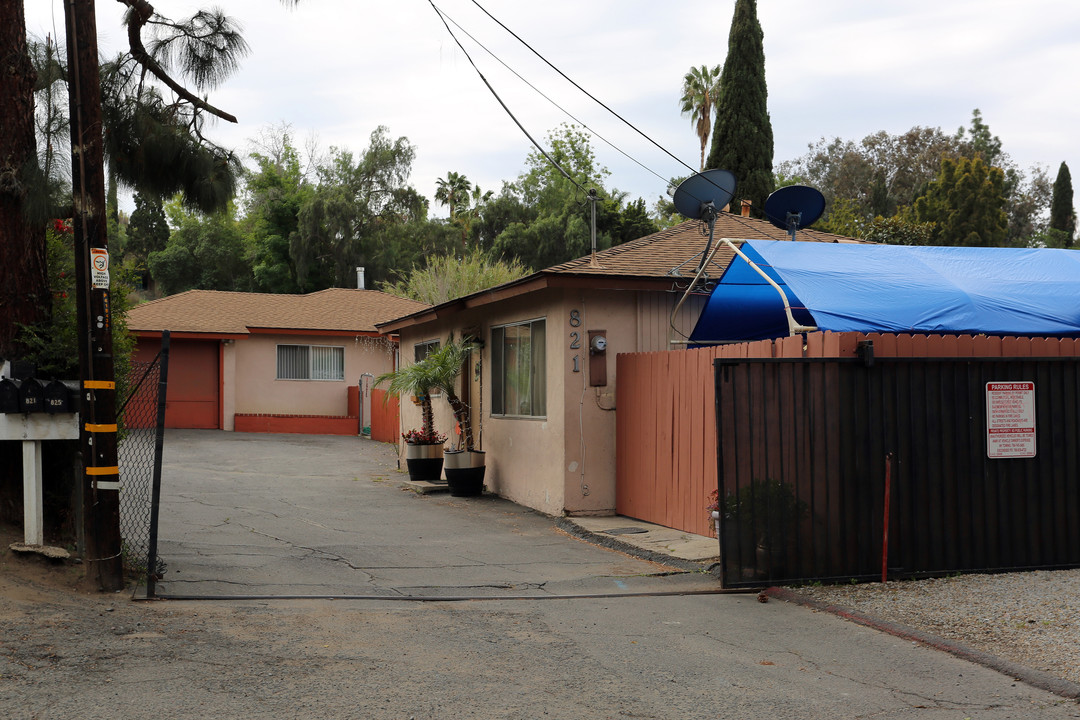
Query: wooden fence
{"type": "Point", "coordinates": [667, 447]}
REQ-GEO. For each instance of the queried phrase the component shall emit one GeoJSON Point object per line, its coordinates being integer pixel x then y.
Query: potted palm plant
{"type": "Point", "coordinates": [464, 463]}
{"type": "Point", "coordinates": [423, 447]}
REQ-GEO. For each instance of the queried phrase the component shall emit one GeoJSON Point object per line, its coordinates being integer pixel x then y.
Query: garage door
{"type": "Point", "coordinates": [193, 385]}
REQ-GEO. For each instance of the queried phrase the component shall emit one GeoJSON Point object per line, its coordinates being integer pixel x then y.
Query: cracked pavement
{"type": "Point", "coordinates": [263, 527]}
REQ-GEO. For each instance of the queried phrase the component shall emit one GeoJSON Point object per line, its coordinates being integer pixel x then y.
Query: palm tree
{"type": "Point", "coordinates": [445, 365]}
{"type": "Point", "coordinates": [416, 380]}
{"type": "Point", "coordinates": [700, 87]}
{"type": "Point", "coordinates": [453, 191]}
{"type": "Point", "coordinates": [471, 211]}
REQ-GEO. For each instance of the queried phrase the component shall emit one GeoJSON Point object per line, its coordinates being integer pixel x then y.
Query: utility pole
{"type": "Point", "coordinates": [101, 479]}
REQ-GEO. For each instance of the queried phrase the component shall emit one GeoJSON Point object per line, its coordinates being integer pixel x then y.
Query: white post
{"type": "Point", "coordinates": [33, 534]}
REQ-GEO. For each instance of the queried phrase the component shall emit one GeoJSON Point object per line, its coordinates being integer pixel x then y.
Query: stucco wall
{"type": "Point", "coordinates": [564, 463]}
{"type": "Point", "coordinates": [254, 372]}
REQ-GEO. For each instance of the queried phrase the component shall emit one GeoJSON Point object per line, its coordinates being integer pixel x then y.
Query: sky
{"type": "Point", "coordinates": [334, 70]}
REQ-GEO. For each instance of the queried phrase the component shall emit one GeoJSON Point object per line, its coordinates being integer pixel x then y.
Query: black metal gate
{"type": "Point", "coordinates": [142, 422]}
{"type": "Point", "coordinates": [807, 446]}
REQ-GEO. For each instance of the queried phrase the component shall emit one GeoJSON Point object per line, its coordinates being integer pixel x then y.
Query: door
{"type": "Point", "coordinates": [194, 386]}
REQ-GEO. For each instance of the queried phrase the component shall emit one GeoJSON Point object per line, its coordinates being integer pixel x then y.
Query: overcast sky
{"type": "Point", "coordinates": [835, 68]}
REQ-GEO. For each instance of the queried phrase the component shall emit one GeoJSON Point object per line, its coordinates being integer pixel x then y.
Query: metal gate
{"type": "Point", "coordinates": [807, 446]}
{"type": "Point", "coordinates": [142, 422]}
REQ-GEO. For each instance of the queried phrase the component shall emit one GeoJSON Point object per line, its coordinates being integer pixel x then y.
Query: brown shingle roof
{"type": "Point", "coordinates": [212, 311]}
{"type": "Point", "coordinates": [658, 254]}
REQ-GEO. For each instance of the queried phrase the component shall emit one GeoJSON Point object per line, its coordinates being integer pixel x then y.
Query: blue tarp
{"type": "Point", "coordinates": [895, 288]}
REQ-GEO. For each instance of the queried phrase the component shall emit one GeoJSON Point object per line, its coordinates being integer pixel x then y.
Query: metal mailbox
{"type": "Point", "coordinates": [9, 396]}
{"type": "Point", "coordinates": [31, 396]}
{"type": "Point", "coordinates": [57, 398]}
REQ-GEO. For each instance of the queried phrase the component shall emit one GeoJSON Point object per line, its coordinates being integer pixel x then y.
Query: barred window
{"type": "Point", "coordinates": [310, 362]}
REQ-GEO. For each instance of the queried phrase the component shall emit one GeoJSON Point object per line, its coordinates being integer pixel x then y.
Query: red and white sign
{"type": "Point", "coordinates": [99, 268]}
{"type": "Point", "coordinates": [1010, 419]}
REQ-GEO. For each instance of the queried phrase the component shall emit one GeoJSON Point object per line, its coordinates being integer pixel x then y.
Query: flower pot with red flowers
{"type": "Point", "coordinates": [423, 447]}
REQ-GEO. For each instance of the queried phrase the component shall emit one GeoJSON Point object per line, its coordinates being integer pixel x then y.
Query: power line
{"type": "Point", "coordinates": [562, 109]}
{"type": "Point", "coordinates": [503, 104]}
{"type": "Point", "coordinates": [583, 90]}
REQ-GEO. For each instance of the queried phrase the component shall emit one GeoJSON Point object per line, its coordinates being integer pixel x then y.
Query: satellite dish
{"type": "Point", "coordinates": [793, 207]}
{"type": "Point", "coordinates": [701, 197]}
{"type": "Point", "coordinates": [694, 195]}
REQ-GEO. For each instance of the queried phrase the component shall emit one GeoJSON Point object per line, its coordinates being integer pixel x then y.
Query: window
{"type": "Point", "coordinates": [422, 349]}
{"type": "Point", "coordinates": [310, 362]}
{"type": "Point", "coordinates": [519, 380]}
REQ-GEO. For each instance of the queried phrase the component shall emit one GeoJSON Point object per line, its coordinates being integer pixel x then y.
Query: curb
{"type": "Point", "coordinates": [1029, 676]}
{"type": "Point", "coordinates": [568, 526]}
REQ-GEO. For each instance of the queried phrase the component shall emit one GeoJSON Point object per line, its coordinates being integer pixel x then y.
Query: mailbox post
{"type": "Point", "coordinates": [32, 430]}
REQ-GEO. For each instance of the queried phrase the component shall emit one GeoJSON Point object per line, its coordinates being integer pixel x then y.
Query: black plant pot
{"type": "Point", "coordinates": [424, 462]}
{"type": "Point", "coordinates": [465, 473]}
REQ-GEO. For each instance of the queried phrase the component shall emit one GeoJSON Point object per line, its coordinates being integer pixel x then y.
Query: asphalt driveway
{"type": "Point", "coordinates": [300, 515]}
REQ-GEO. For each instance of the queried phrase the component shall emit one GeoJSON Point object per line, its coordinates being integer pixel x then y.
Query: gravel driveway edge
{"type": "Point", "coordinates": [1035, 678]}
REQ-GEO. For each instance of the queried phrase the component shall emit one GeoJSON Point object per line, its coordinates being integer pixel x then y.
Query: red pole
{"type": "Point", "coordinates": [885, 525]}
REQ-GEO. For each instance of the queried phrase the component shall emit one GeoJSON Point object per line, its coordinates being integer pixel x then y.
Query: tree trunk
{"type": "Point", "coordinates": [24, 285]}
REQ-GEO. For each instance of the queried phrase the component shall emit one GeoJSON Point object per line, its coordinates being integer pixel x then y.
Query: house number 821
{"type": "Point", "coordinates": [575, 338]}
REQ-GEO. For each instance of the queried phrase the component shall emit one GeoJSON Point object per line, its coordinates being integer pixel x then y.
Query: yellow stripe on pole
{"type": "Point", "coordinates": [114, 470]}
{"type": "Point", "coordinates": [99, 384]}
{"type": "Point", "coordinates": [99, 428]}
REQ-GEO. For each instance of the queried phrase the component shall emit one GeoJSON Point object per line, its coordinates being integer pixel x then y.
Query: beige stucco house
{"type": "Point", "coordinates": [269, 362]}
{"type": "Point", "coordinates": [542, 388]}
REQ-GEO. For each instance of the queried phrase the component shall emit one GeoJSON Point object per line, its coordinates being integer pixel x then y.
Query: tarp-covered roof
{"type": "Point", "coordinates": [895, 288]}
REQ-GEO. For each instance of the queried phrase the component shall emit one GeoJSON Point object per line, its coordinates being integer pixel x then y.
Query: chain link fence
{"type": "Point", "coordinates": [141, 420]}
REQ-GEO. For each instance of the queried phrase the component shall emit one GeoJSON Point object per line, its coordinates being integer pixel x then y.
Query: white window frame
{"type": "Point", "coordinates": [311, 362]}
{"type": "Point", "coordinates": [498, 370]}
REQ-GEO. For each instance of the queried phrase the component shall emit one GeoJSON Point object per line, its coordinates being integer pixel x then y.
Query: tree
{"type": "Point", "coordinates": [447, 277]}
{"type": "Point", "coordinates": [204, 252]}
{"type": "Point", "coordinates": [877, 175]}
{"type": "Point", "coordinates": [742, 139]}
{"type": "Point", "coordinates": [24, 286]}
{"type": "Point", "coordinates": [148, 230]}
{"type": "Point", "coordinates": [453, 191]}
{"type": "Point", "coordinates": [965, 203]}
{"type": "Point", "coordinates": [979, 142]}
{"type": "Point", "coordinates": [700, 88]}
{"type": "Point", "coordinates": [273, 198]}
{"type": "Point", "coordinates": [1062, 212]}
{"type": "Point", "coordinates": [357, 204]}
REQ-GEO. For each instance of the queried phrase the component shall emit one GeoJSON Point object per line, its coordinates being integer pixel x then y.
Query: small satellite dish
{"type": "Point", "coordinates": [793, 207]}
{"type": "Point", "coordinates": [702, 197]}
{"type": "Point", "coordinates": [697, 192]}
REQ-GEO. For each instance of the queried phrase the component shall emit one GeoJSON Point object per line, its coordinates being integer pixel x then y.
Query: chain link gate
{"type": "Point", "coordinates": [142, 434]}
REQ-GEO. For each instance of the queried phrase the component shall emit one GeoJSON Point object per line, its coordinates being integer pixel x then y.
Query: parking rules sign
{"type": "Point", "coordinates": [1010, 419]}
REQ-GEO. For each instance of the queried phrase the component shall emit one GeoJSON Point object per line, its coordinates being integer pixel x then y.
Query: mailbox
{"type": "Point", "coordinates": [57, 398]}
{"type": "Point", "coordinates": [9, 396]}
{"type": "Point", "coordinates": [31, 396]}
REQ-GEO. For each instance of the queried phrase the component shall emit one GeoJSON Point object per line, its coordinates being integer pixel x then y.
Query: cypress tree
{"type": "Point", "coordinates": [1062, 213]}
{"type": "Point", "coordinates": [742, 135]}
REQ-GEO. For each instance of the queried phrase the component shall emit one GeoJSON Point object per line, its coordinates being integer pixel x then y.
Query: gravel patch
{"type": "Point", "coordinates": [1030, 618]}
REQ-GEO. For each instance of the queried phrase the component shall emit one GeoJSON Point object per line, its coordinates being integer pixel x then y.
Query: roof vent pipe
{"type": "Point", "coordinates": [746, 208]}
{"type": "Point", "coordinates": [359, 278]}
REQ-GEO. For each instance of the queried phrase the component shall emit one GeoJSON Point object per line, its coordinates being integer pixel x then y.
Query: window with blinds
{"type": "Point", "coordinates": [310, 362]}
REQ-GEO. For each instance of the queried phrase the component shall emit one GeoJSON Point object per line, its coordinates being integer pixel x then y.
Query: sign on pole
{"type": "Point", "coordinates": [99, 268]}
{"type": "Point", "coordinates": [1010, 420]}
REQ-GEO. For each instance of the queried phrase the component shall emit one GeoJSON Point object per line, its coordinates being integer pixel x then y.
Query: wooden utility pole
{"type": "Point", "coordinates": [101, 479]}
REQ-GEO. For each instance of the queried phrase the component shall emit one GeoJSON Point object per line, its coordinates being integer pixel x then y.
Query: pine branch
{"type": "Point", "coordinates": [141, 12]}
